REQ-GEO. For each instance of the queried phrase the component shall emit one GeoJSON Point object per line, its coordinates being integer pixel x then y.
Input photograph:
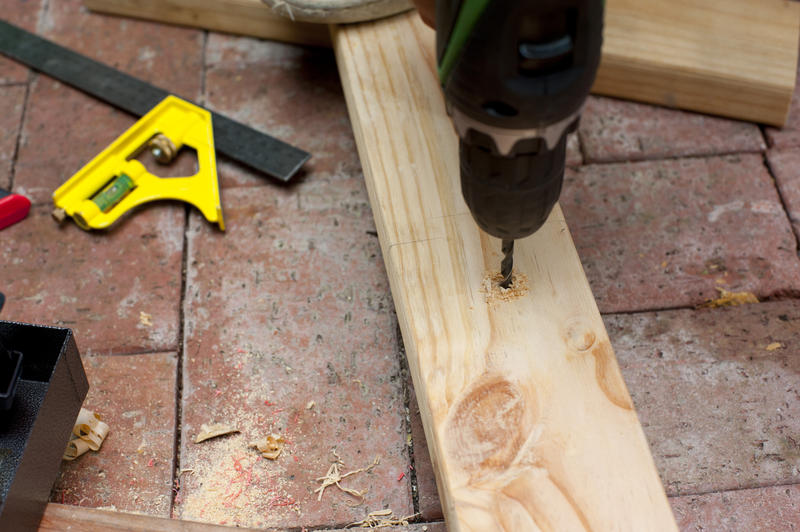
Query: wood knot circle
{"type": "Point", "coordinates": [579, 335]}
{"type": "Point", "coordinates": [488, 427]}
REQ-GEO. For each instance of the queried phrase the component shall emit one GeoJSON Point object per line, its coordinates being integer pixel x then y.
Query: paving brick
{"type": "Point", "coordinates": [617, 130]}
{"type": "Point", "coordinates": [291, 92]}
{"type": "Point", "coordinates": [98, 283]}
{"type": "Point", "coordinates": [430, 507]}
{"type": "Point", "coordinates": [167, 56]}
{"type": "Point", "coordinates": [574, 155]}
{"type": "Point", "coordinates": [25, 14]}
{"type": "Point", "coordinates": [717, 392]}
{"type": "Point", "coordinates": [12, 100]}
{"type": "Point", "coordinates": [170, 57]}
{"type": "Point", "coordinates": [789, 135]}
{"type": "Point", "coordinates": [785, 167]}
{"type": "Point", "coordinates": [291, 305]}
{"type": "Point", "coordinates": [660, 234]}
{"type": "Point", "coordinates": [53, 109]}
{"type": "Point", "coordinates": [132, 471]}
{"type": "Point", "coordinates": [770, 509]}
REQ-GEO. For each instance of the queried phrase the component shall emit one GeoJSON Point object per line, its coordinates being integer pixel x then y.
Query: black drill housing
{"type": "Point", "coordinates": [526, 65]}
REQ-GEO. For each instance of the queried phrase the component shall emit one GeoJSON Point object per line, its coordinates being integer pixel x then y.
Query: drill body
{"type": "Point", "coordinates": [515, 75]}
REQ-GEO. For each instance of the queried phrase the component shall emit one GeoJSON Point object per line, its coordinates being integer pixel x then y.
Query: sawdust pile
{"type": "Point", "coordinates": [232, 485]}
{"type": "Point", "coordinates": [730, 299]}
{"type": "Point", "coordinates": [494, 293]}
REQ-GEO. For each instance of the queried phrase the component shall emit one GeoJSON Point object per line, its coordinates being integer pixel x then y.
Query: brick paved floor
{"type": "Point", "coordinates": [285, 324]}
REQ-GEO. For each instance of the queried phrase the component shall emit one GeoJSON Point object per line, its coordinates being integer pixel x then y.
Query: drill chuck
{"type": "Point", "coordinates": [511, 179]}
{"type": "Point", "coordinates": [510, 197]}
{"type": "Point", "coordinates": [515, 75]}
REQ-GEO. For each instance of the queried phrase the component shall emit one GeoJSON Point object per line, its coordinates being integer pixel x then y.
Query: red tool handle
{"type": "Point", "coordinates": [13, 208]}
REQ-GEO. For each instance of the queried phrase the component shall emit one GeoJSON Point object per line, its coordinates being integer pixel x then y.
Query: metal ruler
{"type": "Point", "coordinates": [239, 142]}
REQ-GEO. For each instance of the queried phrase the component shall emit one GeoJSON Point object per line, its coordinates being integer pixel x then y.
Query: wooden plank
{"type": "Point", "coordinates": [720, 57]}
{"type": "Point", "coordinates": [241, 17]}
{"type": "Point", "coordinates": [529, 423]}
{"type": "Point", "coordinates": [726, 57]}
{"type": "Point", "coordinates": [62, 517]}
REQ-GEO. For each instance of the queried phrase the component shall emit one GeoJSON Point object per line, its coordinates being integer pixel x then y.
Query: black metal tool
{"type": "Point", "coordinates": [10, 371]}
{"type": "Point", "coordinates": [239, 142]}
{"type": "Point", "coordinates": [35, 430]}
{"type": "Point", "coordinates": [515, 76]}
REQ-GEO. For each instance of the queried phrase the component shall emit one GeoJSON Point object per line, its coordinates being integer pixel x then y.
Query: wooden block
{"type": "Point", "coordinates": [723, 57]}
{"type": "Point", "coordinates": [529, 423]}
{"type": "Point", "coordinates": [241, 17]}
{"type": "Point", "coordinates": [732, 58]}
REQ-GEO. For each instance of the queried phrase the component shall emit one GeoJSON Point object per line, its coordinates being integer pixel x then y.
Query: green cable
{"type": "Point", "coordinates": [468, 16]}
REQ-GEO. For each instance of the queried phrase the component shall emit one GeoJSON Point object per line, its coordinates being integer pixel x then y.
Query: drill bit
{"type": "Point", "coordinates": [507, 263]}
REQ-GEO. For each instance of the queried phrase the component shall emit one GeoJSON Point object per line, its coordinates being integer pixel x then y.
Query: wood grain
{"type": "Point", "coordinates": [62, 518]}
{"type": "Point", "coordinates": [526, 414]}
{"type": "Point", "coordinates": [733, 58]}
{"type": "Point", "coordinates": [241, 17]}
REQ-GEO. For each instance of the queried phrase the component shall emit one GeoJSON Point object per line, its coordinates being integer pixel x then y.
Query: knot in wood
{"type": "Point", "coordinates": [489, 425]}
{"type": "Point", "coordinates": [579, 335]}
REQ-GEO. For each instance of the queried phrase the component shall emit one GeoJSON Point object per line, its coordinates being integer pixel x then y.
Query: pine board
{"type": "Point", "coordinates": [63, 518]}
{"type": "Point", "coordinates": [733, 58]}
{"type": "Point", "coordinates": [527, 417]}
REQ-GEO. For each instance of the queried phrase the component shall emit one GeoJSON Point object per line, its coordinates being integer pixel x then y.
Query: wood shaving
{"type": "Point", "coordinates": [334, 476]}
{"type": "Point", "coordinates": [310, 405]}
{"type": "Point", "coordinates": [145, 319]}
{"type": "Point", "coordinates": [494, 293]}
{"type": "Point", "coordinates": [75, 448]}
{"type": "Point", "coordinates": [382, 519]}
{"type": "Point", "coordinates": [773, 346]}
{"type": "Point", "coordinates": [212, 431]}
{"type": "Point", "coordinates": [270, 447]}
{"type": "Point", "coordinates": [88, 433]}
{"type": "Point", "coordinates": [730, 299]}
{"type": "Point", "coordinates": [90, 428]}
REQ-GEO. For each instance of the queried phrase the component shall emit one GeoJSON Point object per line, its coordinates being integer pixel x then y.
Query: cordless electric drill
{"type": "Point", "coordinates": [515, 75]}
